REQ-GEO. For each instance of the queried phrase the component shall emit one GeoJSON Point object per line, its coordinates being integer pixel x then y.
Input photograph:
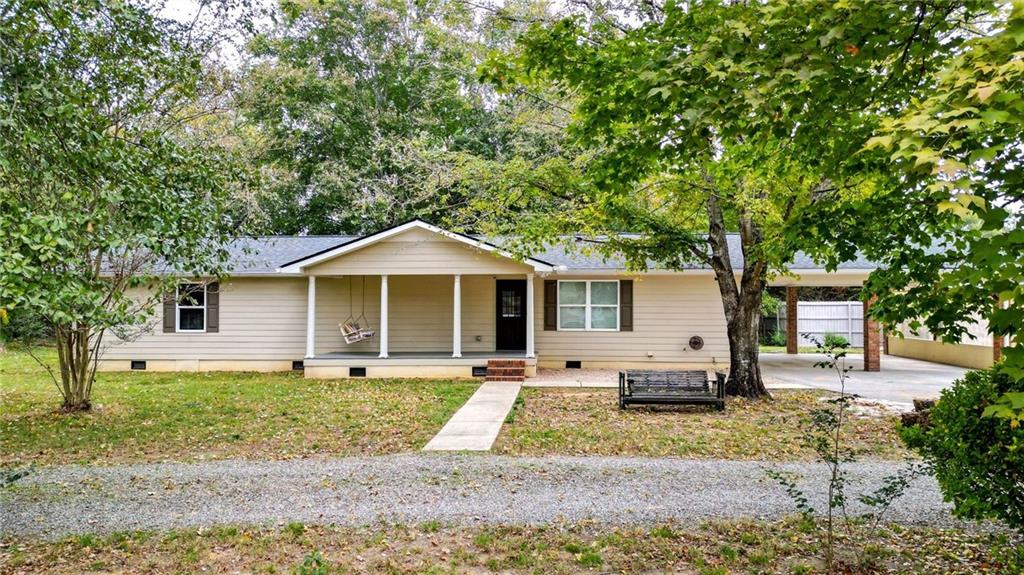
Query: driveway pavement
{"type": "Point", "coordinates": [413, 488]}
{"type": "Point", "coordinates": [901, 380]}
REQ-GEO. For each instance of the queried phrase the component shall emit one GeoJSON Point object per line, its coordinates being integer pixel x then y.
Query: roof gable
{"type": "Point", "coordinates": [415, 230]}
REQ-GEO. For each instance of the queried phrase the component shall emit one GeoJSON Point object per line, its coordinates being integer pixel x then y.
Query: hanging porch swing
{"type": "Point", "coordinates": [352, 330]}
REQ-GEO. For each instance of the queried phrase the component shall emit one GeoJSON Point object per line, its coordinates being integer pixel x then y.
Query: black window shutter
{"type": "Point", "coordinates": [626, 305]}
{"type": "Point", "coordinates": [213, 307]}
{"type": "Point", "coordinates": [169, 312]}
{"type": "Point", "coordinates": [550, 305]}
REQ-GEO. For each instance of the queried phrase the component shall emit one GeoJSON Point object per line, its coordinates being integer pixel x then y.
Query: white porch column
{"type": "Point", "coordinates": [457, 318]}
{"type": "Point", "coordinates": [384, 316]}
{"type": "Point", "coordinates": [311, 318]}
{"type": "Point", "coordinates": [529, 316]}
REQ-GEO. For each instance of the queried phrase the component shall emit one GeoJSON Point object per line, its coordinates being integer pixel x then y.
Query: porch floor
{"type": "Point", "coordinates": [421, 355]}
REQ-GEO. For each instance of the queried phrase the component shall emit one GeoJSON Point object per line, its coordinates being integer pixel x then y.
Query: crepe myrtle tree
{"type": "Point", "coordinates": [700, 118]}
{"type": "Point", "coordinates": [106, 180]}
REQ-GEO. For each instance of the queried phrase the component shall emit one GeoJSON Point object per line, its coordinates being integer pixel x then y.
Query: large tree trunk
{"type": "Point", "coordinates": [741, 303]}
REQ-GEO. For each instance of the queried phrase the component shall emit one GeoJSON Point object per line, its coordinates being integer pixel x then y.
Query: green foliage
{"type": "Point", "coordinates": [1009, 406]}
{"type": "Point", "coordinates": [106, 180]}
{"type": "Point", "coordinates": [365, 114]}
{"type": "Point", "coordinates": [313, 564]}
{"type": "Point", "coordinates": [776, 338]}
{"type": "Point", "coordinates": [770, 305]}
{"type": "Point", "coordinates": [705, 117]}
{"type": "Point", "coordinates": [26, 326]}
{"type": "Point", "coordinates": [977, 459]}
{"type": "Point", "coordinates": [834, 340]}
{"type": "Point", "coordinates": [949, 236]}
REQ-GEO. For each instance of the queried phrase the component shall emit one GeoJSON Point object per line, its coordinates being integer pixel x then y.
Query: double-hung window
{"type": "Point", "coordinates": [588, 305]}
{"type": "Point", "coordinates": [190, 309]}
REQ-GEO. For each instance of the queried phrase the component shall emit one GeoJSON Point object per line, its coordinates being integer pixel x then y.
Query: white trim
{"type": "Point", "coordinates": [383, 317]}
{"type": "Point", "coordinates": [457, 317]}
{"type": "Point", "coordinates": [178, 307]}
{"type": "Point", "coordinates": [530, 352]}
{"type": "Point", "coordinates": [311, 318]}
{"type": "Point", "coordinates": [298, 266]}
{"type": "Point", "coordinates": [587, 306]}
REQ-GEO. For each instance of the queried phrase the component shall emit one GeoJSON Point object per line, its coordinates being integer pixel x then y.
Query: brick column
{"type": "Point", "coordinates": [792, 297]}
{"type": "Point", "coordinates": [872, 358]}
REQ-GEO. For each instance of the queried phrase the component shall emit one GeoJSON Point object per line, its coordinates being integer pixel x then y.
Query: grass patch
{"type": "Point", "coordinates": [712, 548]}
{"type": "Point", "coordinates": [805, 349]}
{"type": "Point", "coordinates": [140, 417]}
{"type": "Point", "coordinates": [589, 422]}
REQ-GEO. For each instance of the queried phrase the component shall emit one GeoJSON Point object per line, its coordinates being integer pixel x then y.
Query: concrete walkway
{"type": "Point", "coordinates": [475, 426]}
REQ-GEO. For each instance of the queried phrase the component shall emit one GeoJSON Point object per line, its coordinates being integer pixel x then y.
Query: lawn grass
{"type": "Point", "coordinates": [791, 546]}
{"type": "Point", "coordinates": [805, 349]}
{"type": "Point", "coordinates": [140, 417]}
{"type": "Point", "coordinates": [589, 422]}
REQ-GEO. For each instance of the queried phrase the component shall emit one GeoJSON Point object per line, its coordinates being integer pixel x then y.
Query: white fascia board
{"type": "Point", "coordinates": [298, 266]}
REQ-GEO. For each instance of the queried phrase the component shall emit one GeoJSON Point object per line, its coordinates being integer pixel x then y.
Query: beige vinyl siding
{"type": "Point", "coordinates": [263, 319]}
{"type": "Point", "coordinates": [418, 252]}
{"type": "Point", "coordinates": [478, 310]}
{"type": "Point", "coordinates": [332, 308]}
{"type": "Point", "coordinates": [260, 319]}
{"type": "Point", "coordinates": [667, 311]}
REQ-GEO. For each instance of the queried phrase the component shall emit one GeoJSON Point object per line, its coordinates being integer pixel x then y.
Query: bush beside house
{"type": "Point", "coordinates": [978, 459]}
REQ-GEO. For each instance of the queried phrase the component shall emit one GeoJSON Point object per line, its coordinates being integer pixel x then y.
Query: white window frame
{"type": "Point", "coordinates": [587, 307]}
{"type": "Point", "coordinates": [178, 307]}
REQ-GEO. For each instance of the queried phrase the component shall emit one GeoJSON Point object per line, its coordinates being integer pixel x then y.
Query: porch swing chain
{"type": "Point", "coordinates": [362, 312]}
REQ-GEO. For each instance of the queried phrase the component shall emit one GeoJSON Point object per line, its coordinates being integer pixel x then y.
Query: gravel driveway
{"type": "Point", "coordinates": [412, 488]}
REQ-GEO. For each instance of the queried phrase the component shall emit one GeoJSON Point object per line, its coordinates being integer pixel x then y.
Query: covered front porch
{"type": "Point", "coordinates": [427, 303]}
{"type": "Point", "coordinates": [420, 315]}
{"type": "Point", "coordinates": [422, 325]}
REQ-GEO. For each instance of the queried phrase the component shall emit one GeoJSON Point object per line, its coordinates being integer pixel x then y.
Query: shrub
{"type": "Point", "coordinates": [24, 326]}
{"type": "Point", "coordinates": [977, 459]}
{"type": "Point", "coordinates": [836, 340]}
{"type": "Point", "coordinates": [776, 338]}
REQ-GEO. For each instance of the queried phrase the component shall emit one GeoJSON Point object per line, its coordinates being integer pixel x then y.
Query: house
{"type": "Point", "coordinates": [439, 304]}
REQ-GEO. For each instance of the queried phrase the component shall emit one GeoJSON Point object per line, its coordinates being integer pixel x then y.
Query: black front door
{"type": "Point", "coordinates": [511, 318]}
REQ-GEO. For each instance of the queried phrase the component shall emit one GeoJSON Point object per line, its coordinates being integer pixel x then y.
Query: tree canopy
{"type": "Point", "coordinates": [106, 181]}
{"type": "Point", "coordinates": [949, 238]}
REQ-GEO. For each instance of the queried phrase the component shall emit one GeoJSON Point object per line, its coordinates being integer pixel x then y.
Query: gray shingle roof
{"type": "Point", "coordinates": [264, 255]}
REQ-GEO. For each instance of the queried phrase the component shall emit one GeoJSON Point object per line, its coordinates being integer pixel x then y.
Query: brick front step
{"type": "Point", "coordinates": [505, 371]}
{"type": "Point", "coordinates": [506, 363]}
{"type": "Point", "coordinates": [512, 370]}
{"type": "Point", "coordinates": [509, 378]}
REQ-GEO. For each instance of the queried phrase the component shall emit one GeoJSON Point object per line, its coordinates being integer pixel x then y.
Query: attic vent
{"type": "Point", "coordinates": [357, 372]}
{"type": "Point", "coordinates": [575, 364]}
{"type": "Point", "coordinates": [137, 364]}
{"type": "Point", "coordinates": [297, 365]}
